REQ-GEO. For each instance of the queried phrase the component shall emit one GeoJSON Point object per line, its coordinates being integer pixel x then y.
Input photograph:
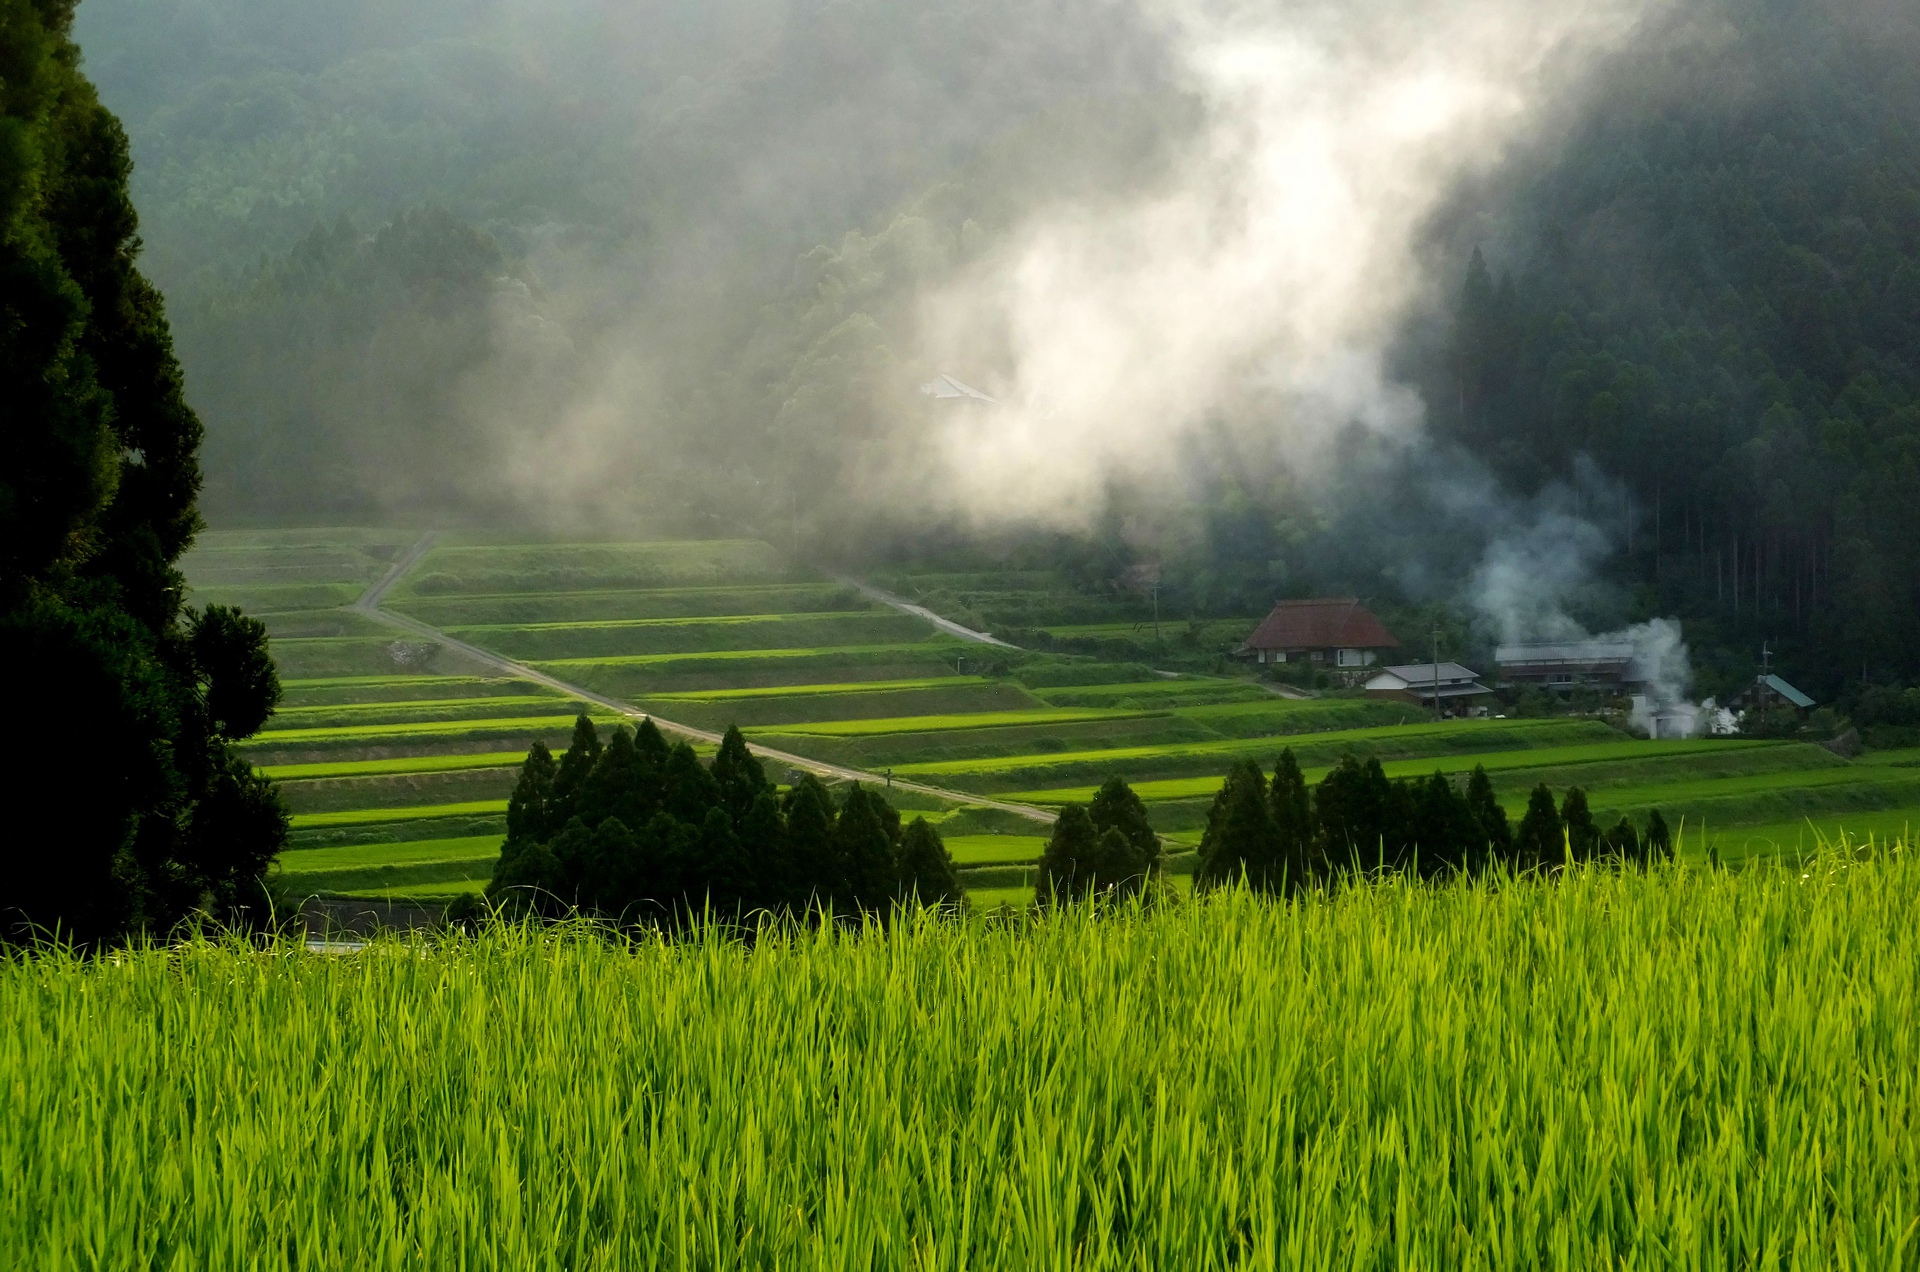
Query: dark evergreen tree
{"type": "Point", "coordinates": [726, 867]}
{"type": "Point", "coordinates": [1066, 867]}
{"type": "Point", "coordinates": [1117, 868]}
{"type": "Point", "coordinates": [1444, 834]}
{"type": "Point", "coordinates": [1495, 834]}
{"type": "Point", "coordinates": [1239, 841]}
{"type": "Point", "coordinates": [1659, 840]}
{"type": "Point", "coordinates": [1116, 807]}
{"type": "Point", "coordinates": [738, 774]}
{"type": "Point", "coordinates": [1293, 823]}
{"type": "Point", "coordinates": [1621, 845]}
{"type": "Point", "coordinates": [817, 880]}
{"type": "Point", "coordinates": [777, 880]}
{"type": "Point", "coordinates": [527, 806]}
{"type": "Point", "coordinates": [1583, 834]}
{"type": "Point", "coordinates": [1541, 843]}
{"type": "Point", "coordinates": [1357, 815]}
{"type": "Point", "coordinates": [611, 786]}
{"type": "Point", "coordinates": [582, 753]}
{"type": "Point", "coordinates": [688, 789]}
{"type": "Point", "coordinates": [927, 876]}
{"type": "Point", "coordinates": [863, 853]}
{"type": "Point", "coordinates": [98, 478]}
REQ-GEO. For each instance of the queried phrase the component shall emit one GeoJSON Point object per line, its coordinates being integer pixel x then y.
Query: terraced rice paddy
{"type": "Point", "coordinates": [392, 746]}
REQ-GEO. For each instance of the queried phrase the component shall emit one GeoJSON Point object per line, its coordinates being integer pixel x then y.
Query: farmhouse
{"type": "Point", "coordinates": [1563, 666]}
{"type": "Point", "coordinates": [1455, 686]}
{"type": "Point", "coordinates": [1771, 691]}
{"type": "Point", "coordinates": [1338, 631]}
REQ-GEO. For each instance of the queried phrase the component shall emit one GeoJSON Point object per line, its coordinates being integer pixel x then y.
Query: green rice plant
{"type": "Point", "coordinates": [335, 623]}
{"type": "Point", "coordinates": [962, 748]}
{"type": "Point", "coordinates": [425, 711]}
{"type": "Point", "coordinates": [1284, 715]}
{"type": "Point", "coordinates": [624, 603]}
{"type": "Point", "coordinates": [454, 569]}
{"type": "Point", "coordinates": [406, 853]}
{"type": "Point", "coordinates": [309, 710]}
{"type": "Point", "coordinates": [744, 658]}
{"type": "Point", "coordinates": [394, 766]}
{"type": "Point", "coordinates": [943, 723]}
{"type": "Point", "coordinates": [837, 687]}
{"type": "Point", "coordinates": [279, 598]}
{"type": "Point", "coordinates": [420, 812]}
{"type": "Point", "coordinates": [539, 725]}
{"type": "Point", "coordinates": [1156, 693]}
{"type": "Point", "coordinates": [1690, 1069]}
{"type": "Point", "coordinates": [389, 790]}
{"type": "Point", "coordinates": [984, 850]}
{"type": "Point", "coordinates": [769, 709]}
{"type": "Point", "coordinates": [665, 637]}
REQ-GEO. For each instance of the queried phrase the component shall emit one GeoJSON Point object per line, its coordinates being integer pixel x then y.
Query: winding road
{"type": "Point", "coordinates": [369, 605]}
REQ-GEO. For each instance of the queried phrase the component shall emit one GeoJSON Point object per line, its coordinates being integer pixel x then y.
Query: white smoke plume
{"type": "Point", "coordinates": [1260, 290]}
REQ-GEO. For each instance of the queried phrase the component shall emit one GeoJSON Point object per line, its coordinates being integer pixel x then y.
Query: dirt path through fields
{"type": "Point", "coordinates": [946, 625]}
{"type": "Point", "coordinates": [369, 604]}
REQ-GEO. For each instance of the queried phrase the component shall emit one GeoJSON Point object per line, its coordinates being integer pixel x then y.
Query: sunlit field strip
{"type": "Point", "coordinates": [945, 723]}
{"type": "Point", "coordinates": [393, 767]}
{"type": "Point", "coordinates": [1450, 762]}
{"type": "Point", "coordinates": [993, 850]}
{"type": "Point", "coordinates": [540, 724]}
{"type": "Point", "coordinates": [1235, 746]}
{"type": "Point", "coordinates": [933, 642]}
{"type": "Point", "coordinates": [425, 704]}
{"type": "Point", "coordinates": [397, 678]}
{"type": "Point", "coordinates": [417, 812]}
{"type": "Point", "coordinates": [845, 686]}
{"type": "Point", "coordinates": [1784, 783]}
{"type": "Point", "coordinates": [1685, 1068]}
{"type": "Point", "coordinates": [701, 620]}
{"type": "Point", "coordinates": [410, 852]}
{"type": "Point", "coordinates": [691, 589]}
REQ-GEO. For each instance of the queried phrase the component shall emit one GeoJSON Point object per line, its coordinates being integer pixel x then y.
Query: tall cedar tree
{"type": "Point", "coordinates": [1066, 867]}
{"type": "Point", "coordinates": [1583, 834]}
{"type": "Point", "coordinates": [1360, 817]}
{"type": "Point", "coordinates": [1541, 843]}
{"type": "Point", "coordinates": [1659, 846]}
{"type": "Point", "coordinates": [1116, 807]}
{"type": "Point", "coordinates": [1495, 832]}
{"type": "Point", "coordinates": [1239, 840]}
{"type": "Point", "coordinates": [927, 876]}
{"type": "Point", "coordinates": [1293, 835]}
{"type": "Point", "coordinates": [98, 476]}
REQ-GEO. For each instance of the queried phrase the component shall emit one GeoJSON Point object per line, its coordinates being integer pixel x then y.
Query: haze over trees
{"type": "Point", "coordinates": [136, 809]}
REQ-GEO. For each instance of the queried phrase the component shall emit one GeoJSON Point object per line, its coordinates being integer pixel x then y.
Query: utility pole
{"type": "Point", "coordinates": [1436, 673]}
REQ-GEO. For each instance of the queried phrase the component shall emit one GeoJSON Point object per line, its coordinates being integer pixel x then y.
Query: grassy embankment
{"type": "Point", "coordinates": [1696, 1069]}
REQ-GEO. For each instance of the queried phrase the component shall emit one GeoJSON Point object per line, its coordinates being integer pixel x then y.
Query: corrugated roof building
{"type": "Point", "coordinates": [1453, 684]}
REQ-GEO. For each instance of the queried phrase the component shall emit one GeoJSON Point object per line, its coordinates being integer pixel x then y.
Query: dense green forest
{"type": "Point", "coordinates": [478, 259]}
{"type": "Point", "coordinates": [127, 704]}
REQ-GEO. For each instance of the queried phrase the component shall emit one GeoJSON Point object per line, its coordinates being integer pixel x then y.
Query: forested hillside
{"type": "Point", "coordinates": [1713, 288]}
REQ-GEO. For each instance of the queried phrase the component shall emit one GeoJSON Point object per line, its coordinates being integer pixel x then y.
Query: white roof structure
{"type": "Point", "coordinates": [1418, 678]}
{"type": "Point", "coordinates": [945, 386]}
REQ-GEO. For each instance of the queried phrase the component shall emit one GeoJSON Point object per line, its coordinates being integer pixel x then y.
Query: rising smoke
{"type": "Point", "coordinates": [1260, 289]}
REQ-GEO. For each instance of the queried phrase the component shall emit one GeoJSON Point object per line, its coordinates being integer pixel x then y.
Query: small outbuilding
{"type": "Point", "coordinates": [1452, 685]}
{"type": "Point", "coordinates": [1333, 631]}
{"type": "Point", "coordinates": [1563, 666]}
{"type": "Point", "coordinates": [1772, 691]}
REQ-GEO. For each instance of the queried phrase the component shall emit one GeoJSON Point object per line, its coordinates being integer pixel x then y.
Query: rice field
{"type": "Point", "coordinates": [1691, 1068]}
{"type": "Point", "coordinates": [389, 739]}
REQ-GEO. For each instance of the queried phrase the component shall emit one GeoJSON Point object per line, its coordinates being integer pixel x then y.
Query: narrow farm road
{"type": "Point", "coordinates": [946, 625]}
{"type": "Point", "coordinates": [369, 604]}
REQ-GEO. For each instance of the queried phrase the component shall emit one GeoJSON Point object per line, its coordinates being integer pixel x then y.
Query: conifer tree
{"type": "Point", "coordinates": [527, 806]}
{"type": "Point", "coordinates": [1239, 840]}
{"type": "Point", "coordinates": [609, 788]}
{"type": "Point", "coordinates": [1293, 834]}
{"type": "Point", "coordinates": [1583, 835]}
{"type": "Point", "coordinates": [927, 876]}
{"type": "Point", "coordinates": [649, 743]}
{"type": "Point", "coordinates": [688, 789]}
{"type": "Point", "coordinates": [1357, 823]}
{"type": "Point", "coordinates": [1621, 844]}
{"type": "Point", "coordinates": [863, 851]}
{"type": "Point", "coordinates": [1541, 843]}
{"type": "Point", "coordinates": [1496, 835]}
{"type": "Point", "coordinates": [738, 774]}
{"type": "Point", "coordinates": [810, 819]}
{"type": "Point", "coordinates": [776, 876]}
{"type": "Point", "coordinates": [1116, 807]}
{"type": "Point", "coordinates": [1444, 833]}
{"type": "Point", "coordinates": [1066, 873]}
{"type": "Point", "coordinates": [1118, 868]}
{"type": "Point", "coordinates": [727, 886]}
{"type": "Point", "coordinates": [1659, 841]}
{"type": "Point", "coordinates": [575, 764]}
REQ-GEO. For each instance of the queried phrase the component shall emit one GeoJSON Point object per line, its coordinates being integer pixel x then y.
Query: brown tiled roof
{"type": "Point", "coordinates": [1327, 623]}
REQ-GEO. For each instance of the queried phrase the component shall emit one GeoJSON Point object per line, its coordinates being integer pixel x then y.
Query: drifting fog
{"type": "Point", "coordinates": [1261, 288]}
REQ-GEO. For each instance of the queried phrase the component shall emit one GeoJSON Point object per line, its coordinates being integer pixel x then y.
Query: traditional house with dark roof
{"type": "Point", "coordinates": [1338, 632]}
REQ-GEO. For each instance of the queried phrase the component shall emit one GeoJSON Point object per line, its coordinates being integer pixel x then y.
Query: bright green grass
{"type": "Point", "coordinates": [422, 704]}
{"type": "Point", "coordinates": [412, 683]}
{"type": "Point", "coordinates": [1156, 692]}
{"type": "Point", "coordinates": [1684, 1069]}
{"type": "Point", "coordinates": [698, 620]}
{"type": "Point", "coordinates": [428, 728]}
{"type": "Point", "coordinates": [1437, 739]}
{"type": "Point", "coordinates": [419, 812]}
{"type": "Point", "coordinates": [944, 723]}
{"type": "Point", "coordinates": [841, 686]}
{"type": "Point", "coordinates": [440, 890]}
{"type": "Point", "coordinates": [932, 644]}
{"type": "Point", "coordinates": [1493, 761]}
{"type": "Point", "coordinates": [357, 856]}
{"type": "Point", "coordinates": [983, 850]}
{"type": "Point", "coordinates": [391, 767]}
{"type": "Point", "coordinates": [620, 603]}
